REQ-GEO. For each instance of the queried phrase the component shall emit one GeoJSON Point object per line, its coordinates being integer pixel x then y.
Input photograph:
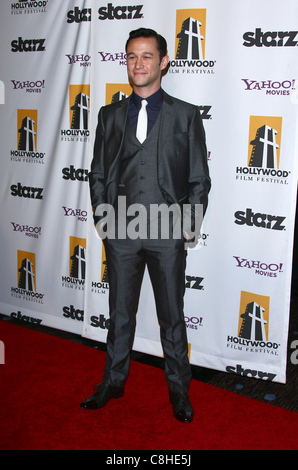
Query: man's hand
{"type": "Point", "coordinates": [186, 236]}
{"type": "Point", "coordinates": [99, 227]}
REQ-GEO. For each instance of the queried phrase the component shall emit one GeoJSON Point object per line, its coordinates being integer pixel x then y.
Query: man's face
{"type": "Point", "coordinates": [144, 65]}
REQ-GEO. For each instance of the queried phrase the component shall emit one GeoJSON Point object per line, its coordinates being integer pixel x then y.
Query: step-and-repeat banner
{"type": "Point", "coordinates": [62, 61]}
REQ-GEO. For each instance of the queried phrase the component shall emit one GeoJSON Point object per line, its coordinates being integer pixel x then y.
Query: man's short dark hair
{"type": "Point", "coordinates": [150, 33]}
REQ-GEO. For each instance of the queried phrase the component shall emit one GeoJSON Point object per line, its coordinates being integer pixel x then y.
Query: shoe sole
{"type": "Point", "coordinates": [95, 407]}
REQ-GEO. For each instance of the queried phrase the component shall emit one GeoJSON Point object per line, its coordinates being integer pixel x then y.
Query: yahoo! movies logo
{"type": "Point", "coordinates": [26, 270]}
{"type": "Point", "coordinates": [264, 152]}
{"type": "Point", "coordinates": [253, 327]}
{"type": "Point", "coordinates": [27, 132]}
{"type": "Point", "coordinates": [260, 268]}
{"type": "Point", "coordinates": [27, 230]}
{"type": "Point", "coordinates": [84, 60]}
{"type": "Point", "coordinates": [271, 87]}
{"type": "Point", "coordinates": [109, 57]}
{"type": "Point", "coordinates": [79, 114]}
{"type": "Point", "coordinates": [77, 264]}
{"type": "Point", "coordinates": [191, 40]}
{"type": "Point", "coordinates": [35, 86]}
{"type": "Point", "coordinates": [80, 215]}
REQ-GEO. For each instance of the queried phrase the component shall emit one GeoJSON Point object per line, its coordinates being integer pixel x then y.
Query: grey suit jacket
{"type": "Point", "coordinates": [183, 173]}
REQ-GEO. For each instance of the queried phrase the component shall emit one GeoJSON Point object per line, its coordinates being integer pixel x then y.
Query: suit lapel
{"type": "Point", "coordinates": [167, 115]}
{"type": "Point", "coordinates": [120, 120]}
{"type": "Point", "coordinates": [115, 142]}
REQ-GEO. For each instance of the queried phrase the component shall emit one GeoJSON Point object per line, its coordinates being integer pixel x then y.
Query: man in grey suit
{"type": "Point", "coordinates": [165, 166]}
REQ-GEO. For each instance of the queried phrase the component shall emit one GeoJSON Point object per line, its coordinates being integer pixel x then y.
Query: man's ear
{"type": "Point", "coordinates": [165, 62]}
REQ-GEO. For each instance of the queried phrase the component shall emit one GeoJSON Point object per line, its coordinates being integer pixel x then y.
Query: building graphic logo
{"type": "Point", "coordinates": [104, 268]}
{"type": "Point", "coordinates": [253, 327]}
{"type": "Point", "coordinates": [75, 279]}
{"type": "Point", "coordinates": [26, 270]}
{"type": "Point", "coordinates": [190, 34]}
{"type": "Point", "coordinates": [26, 289]}
{"type": "Point", "coordinates": [79, 114]}
{"type": "Point", "coordinates": [27, 138]}
{"type": "Point", "coordinates": [265, 140]}
{"type": "Point", "coordinates": [77, 257]}
{"type": "Point", "coordinates": [27, 129]}
{"type": "Point", "coordinates": [254, 317]}
{"type": "Point", "coordinates": [117, 92]}
{"type": "Point", "coordinates": [190, 43]}
{"type": "Point", "coordinates": [102, 287]}
{"type": "Point", "coordinates": [79, 100]}
{"type": "Point", "coordinates": [264, 152]}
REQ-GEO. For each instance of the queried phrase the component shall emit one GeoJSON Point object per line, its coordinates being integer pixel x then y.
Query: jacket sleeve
{"type": "Point", "coordinates": [96, 175]}
{"type": "Point", "coordinates": [199, 182]}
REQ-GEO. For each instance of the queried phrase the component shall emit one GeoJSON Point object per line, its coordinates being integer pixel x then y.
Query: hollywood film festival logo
{"type": "Point", "coordinates": [264, 153]}
{"type": "Point", "coordinates": [77, 264]}
{"type": "Point", "coordinates": [117, 92]}
{"type": "Point", "coordinates": [101, 287]}
{"type": "Point", "coordinates": [191, 41]}
{"type": "Point", "coordinates": [79, 114]}
{"type": "Point", "coordinates": [28, 7]}
{"type": "Point", "coordinates": [27, 132]}
{"type": "Point", "coordinates": [27, 283]}
{"type": "Point", "coordinates": [253, 333]}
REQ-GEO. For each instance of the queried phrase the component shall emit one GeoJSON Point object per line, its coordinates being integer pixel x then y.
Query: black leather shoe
{"type": "Point", "coordinates": [183, 411]}
{"type": "Point", "coordinates": [103, 395]}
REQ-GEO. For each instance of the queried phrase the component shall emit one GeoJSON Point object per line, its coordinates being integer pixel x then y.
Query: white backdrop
{"type": "Point", "coordinates": [62, 61]}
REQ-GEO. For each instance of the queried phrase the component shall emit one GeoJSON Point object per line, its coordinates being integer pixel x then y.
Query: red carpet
{"type": "Point", "coordinates": [45, 379]}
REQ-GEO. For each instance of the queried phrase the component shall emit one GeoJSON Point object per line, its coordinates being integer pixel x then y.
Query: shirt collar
{"type": "Point", "coordinates": [154, 101]}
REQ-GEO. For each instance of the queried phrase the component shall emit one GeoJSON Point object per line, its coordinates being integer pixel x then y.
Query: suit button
{"type": "Point", "coordinates": [142, 178]}
{"type": "Point", "coordinates": [141, 192]}
{"type": "Point", "coordinates": [142, 163]}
